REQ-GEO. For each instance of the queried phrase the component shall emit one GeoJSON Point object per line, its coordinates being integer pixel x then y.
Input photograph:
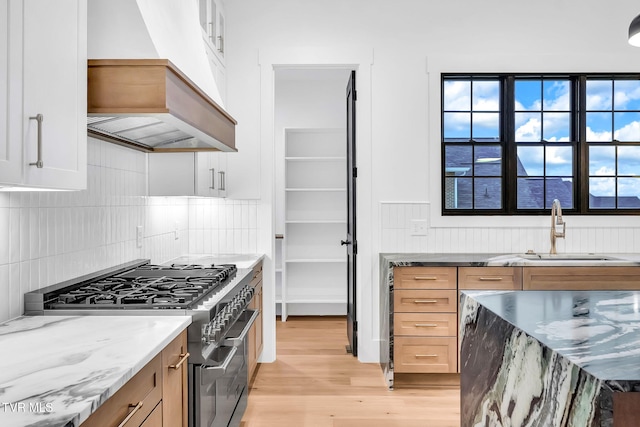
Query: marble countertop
{"type": "Point", "coordinates": [598, 331]}
{"type": "Point", "coordinates": [508, 260]}
{"type": "Point", "coordinates": [240, 260]}
{"type": "Point", "coordinates": [56, 370]}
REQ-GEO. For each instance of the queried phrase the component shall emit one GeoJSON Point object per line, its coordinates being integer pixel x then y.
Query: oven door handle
{"type": "Point", "coordinates": [209, 374]}
{"type": "Point", "coordinates": [237, 341]}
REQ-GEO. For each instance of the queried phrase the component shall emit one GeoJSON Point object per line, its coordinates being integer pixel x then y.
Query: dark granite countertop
{"type": "Point", "coordinates": [598, 331]}
{"type": "Point", "coordinates": [507, 260]}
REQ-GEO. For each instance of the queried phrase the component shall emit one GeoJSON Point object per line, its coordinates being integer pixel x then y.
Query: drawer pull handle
{"type": "Point", "coordinates": [136, 408]}
{"type": "Point", "coordinates": [426, 355]}
{"type": "Point", "coordinates": [183, 358]}
{"type": "Point", "coordinates": [490, 279]}
{"type": "Point", "coordinates": [425, 278]}
{"type": "Point", "coordinates": [426, 325]}
{"type": "Point", "coordinates": [425, 301]}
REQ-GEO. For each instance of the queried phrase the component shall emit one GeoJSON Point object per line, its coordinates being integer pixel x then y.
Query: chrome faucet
{"type": "Point", "coordinates": [556, 219]}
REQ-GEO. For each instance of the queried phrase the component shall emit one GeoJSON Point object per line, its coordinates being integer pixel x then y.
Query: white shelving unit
{"type": "Point", "coordinates": [314, 268]}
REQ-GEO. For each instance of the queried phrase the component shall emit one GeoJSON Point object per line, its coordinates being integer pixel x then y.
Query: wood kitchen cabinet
{"type": "Point", "coordinates": [43, 94]}
{"type": "Point", "coordinates": [256, 342]}
{"type": "Point", "coordinates": [581, 278]}
{"type": "Point", "coordinates": [155, 397]}
{"type": "Point", "coordinates": [425, 320]}
{"type": "Point", "coordinates": [187, 174]}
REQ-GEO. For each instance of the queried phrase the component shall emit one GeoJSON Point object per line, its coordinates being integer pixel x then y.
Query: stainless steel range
{"type": "Point", "coordinates": [215, 296]}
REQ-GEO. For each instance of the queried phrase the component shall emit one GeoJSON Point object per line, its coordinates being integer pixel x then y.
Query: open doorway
{"type": "Point", "coordinates": [311, 192]}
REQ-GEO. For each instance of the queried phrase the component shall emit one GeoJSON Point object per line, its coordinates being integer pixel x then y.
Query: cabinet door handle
{"type": "Point", "coordinates": [136, 408]}
{"type": "Point", "coordinates": [425, 278]}
{"type": "Point", "coordinates": [183, 358]}
{"type": "Point", "coordinates": [426, 355]}
{"type": "Point", "coordinates": [223, 181]}
{"type": "Point", "coordinates": [213, 179]}
{"type": "Point", "coordinates": [490, 279]}
{"type": "Point", "coordinates": [212, 31]}
{"type": "Point", "coordinates": [426, 325]}
{"type": "Point", "coordinates": [38, 118]}
{"type": "Point", "coordinates": [220, 44]}
{"type": "Point", "coordinates": [425, 301]}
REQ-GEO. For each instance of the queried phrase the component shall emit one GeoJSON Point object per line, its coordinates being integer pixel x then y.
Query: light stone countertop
{"type": "Point", "coordinates": [57, 370]}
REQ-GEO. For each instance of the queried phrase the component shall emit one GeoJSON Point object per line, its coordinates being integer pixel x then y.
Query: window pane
{"type": "Point", "coordinates": [486, 126]}
{"type": "Point", "coordinates": [458, 193]}
{"type": "Point", "coordinates": [557, 127]}
{"type": "Point", "coordinates": [561, 189]}
{"type": "Point", "coordinates": [602, 193]}
{"type": "Point", "coordinates": [599, 94]}
{"type": "Point", "coordinates": [626, 95]}
{"type": "Point", "coordinates": [528, 127]}
{"type": "Point", "coordinates": [486, 96]}
{"type": "Point", "coordinates": [629, 160]}
{"type": "Point", "coordinates": [488, 193]}
{"type": "Point", "coordinates": [599, 127]}
{"type": "Point", "coordinates": [602, 160]}
{"type": "Point", "coordinates": [457, 126]}
{"type": "Point", "coordinates": [457, 95]}
{"type": "Point", "coordinates": [557, 95]}
{"type": "Point", "coordinates": [530, 161]}
{"type": "Point", "coordinates": [488, 160]}
{"type": "Point", "coordinates": [528, 95]}
{"type": "Point", "coordinates": [628, 193]}
{"type": "Point", "coordinates": [458, 160]}
{"type": "Point", "coordinates": [530, 193]}
{"type": "Point", "coordinates": [626, 126]}
{"type": "Point", "coordinates": [559, 161]}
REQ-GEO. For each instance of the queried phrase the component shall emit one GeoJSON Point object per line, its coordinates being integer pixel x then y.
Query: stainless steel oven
{"type": "Point", "coordinates": [220, 382]}
{"type": "Point", "coordinates": [215, 296]}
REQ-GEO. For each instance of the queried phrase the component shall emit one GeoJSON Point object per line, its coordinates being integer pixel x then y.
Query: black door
{"type": "Point", "coordinates": [351, 242]}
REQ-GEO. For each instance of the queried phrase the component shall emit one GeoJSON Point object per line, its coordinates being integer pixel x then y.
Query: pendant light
{"type": "Point", "coordinates": [634, 32]}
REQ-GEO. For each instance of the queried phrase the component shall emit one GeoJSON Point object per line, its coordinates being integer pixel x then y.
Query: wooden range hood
{"type": "Point", "coordinates": [150, 105]}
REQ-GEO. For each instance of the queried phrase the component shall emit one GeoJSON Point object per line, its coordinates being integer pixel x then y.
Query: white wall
{"type": "Point", "coordinates": [412, 42]}
{"type": "Point", "coordinates": [49, 237]}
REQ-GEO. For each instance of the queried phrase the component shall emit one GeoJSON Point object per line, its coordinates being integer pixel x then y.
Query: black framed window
{"type": "Point", "coordinates": [513, 143]}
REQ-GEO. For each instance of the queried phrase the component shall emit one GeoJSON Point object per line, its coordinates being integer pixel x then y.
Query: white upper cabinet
{"type": "Point", "coordinates": [212, 26]}
{"type": "Point", "coordinates": [200, 174]}
{"type": "Point", "coordinates": [44, 80]}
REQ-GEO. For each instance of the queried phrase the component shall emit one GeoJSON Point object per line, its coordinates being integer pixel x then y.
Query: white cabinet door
{"type": "Point", "coordinates": [185, 174]}
{"type": "Point", "coordinates": [10, 92]}
{"type": "Point", "coordinates": [55, 86]}
{"type": "Point", "coordinates": [221, 175]}
{"type": "Point", "coordinates": [206, 179]}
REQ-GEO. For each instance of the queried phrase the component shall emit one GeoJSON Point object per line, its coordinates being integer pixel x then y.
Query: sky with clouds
{"type": "Point", "coordinates": [542, 113]}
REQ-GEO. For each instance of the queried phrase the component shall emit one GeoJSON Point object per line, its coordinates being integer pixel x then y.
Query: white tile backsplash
{"type": "Point", "coordinates": [395, 235]}
{"type": "Point", "coordinates": [49, 237]}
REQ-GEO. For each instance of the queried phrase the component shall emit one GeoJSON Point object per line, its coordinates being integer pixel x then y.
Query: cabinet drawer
{"type": "Point", "coordinates": [257, 275]}
{"type": "Point", "coordinates": [425, 355]}
{"type": "Point", "coordinates": [581, 278]}
{"type": "Point", "coordinates": [424, 277]}
{"type": "Point", "coordinates": [143, 390]}
{"type": "Point", "coordinates": [416, 300]}
{"type": "Point", "coordinates": [490, 278]}
{"type": "Point", "coordinates": [425, 324]}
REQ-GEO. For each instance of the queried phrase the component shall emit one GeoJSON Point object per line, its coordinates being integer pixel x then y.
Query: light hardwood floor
{"type": "Point", "coordinates": [315, 383]}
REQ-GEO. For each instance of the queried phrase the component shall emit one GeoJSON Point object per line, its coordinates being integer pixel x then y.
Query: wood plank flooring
{"type": "Point", "coordinates": [315, 383]}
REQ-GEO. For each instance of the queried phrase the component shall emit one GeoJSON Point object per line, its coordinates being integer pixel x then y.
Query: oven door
{"type": "Point", "coordinates": [221, 382]}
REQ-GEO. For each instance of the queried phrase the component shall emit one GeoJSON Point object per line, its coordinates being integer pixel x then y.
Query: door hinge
{"type": "Point", "coordinates": [354, 172]}
{"type": "Point", "coordinates": [355, 247]}
{"type": "Point", "coordinates": [355, 326]}
{"type": "Point", "coordinates": [355, 95]}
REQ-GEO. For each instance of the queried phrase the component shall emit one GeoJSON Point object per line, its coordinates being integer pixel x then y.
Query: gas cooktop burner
{"type": "Point", "coordinates": [147, 286]}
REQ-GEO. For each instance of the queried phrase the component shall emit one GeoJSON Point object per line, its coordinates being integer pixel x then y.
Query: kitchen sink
{"type": "Point", "coordinates": [567, 257]}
